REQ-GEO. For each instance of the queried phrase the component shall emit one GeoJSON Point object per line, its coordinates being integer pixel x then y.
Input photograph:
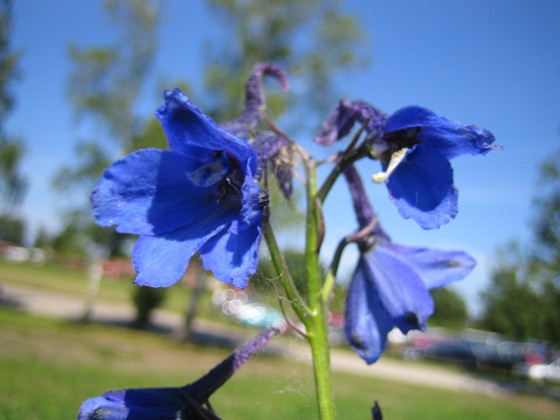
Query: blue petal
{"type": "Point", "coordinates": [161, 261]}
{"type": "Point", "coordinates": [136, 404]}
{"type": "Point", "coordinates": [401, 290]}
{"type": "Point", "coordinates": [153, 191]}
{"type": "Point", "coordinates": [367, 324]}
{"type": "Point", "coordinates": [233, 255]}
{"type": "Point", "coordinates": [453, 139]}
{"type": "Point", "coordinates": [437, 268]}
{"type": "Point", "coordinates": [445, 137]}
{"type": "Point", "coordinates": [422, 188]}
{"type": "Point", "coordinates": [410, 117]}
{"type": "Point", "coordinates": [189, 131]}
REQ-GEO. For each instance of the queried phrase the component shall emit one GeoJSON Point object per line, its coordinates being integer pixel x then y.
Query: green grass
{"type": "Point", "coordinates": [61, 279]}
{"type": "Point", "coordinates": [48, 367]}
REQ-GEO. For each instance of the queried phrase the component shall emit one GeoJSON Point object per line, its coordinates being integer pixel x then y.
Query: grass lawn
{"type": "Point", "coordinates": [61, 279]}
{"type": "Point", "coordinates": [49, 367]}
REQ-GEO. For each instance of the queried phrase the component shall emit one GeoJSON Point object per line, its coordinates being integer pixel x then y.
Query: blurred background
{"type": "Point", "coordinates": [79, 84]}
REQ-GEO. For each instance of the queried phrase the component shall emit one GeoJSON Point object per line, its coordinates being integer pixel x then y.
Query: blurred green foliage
{"type": "Point", "coordinates": [450, 309]}
{"type": "Point", "coordinates": [523, 299]}
{"type": "Point", "coordinates": [12, 183]}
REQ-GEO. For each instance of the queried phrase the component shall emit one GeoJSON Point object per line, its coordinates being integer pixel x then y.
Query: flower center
{"type": "Point", "coordinates": [396, 145]}
{"type": "Point", "coordinates": [401, 139]}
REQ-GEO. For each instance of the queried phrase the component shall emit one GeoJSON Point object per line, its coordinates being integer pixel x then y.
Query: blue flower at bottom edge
{"type": "Point", "coordinates": [173, 403]}
{"type": "Point", "coordinates": [390, 288]}
{"type": "Point", "coordinates": [200, 195]}
{"type": "Point", "coordinates": [416, 148]}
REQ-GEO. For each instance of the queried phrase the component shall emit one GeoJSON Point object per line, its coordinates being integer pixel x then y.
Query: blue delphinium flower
{"type": "Point", "coordinates": [414, 146]}
{"type": "Point", "coordinates": [418, 174]}
{"type": "Point", "coordinates": [390, 285]}
{"type": "Point", "coordinates": [390, 288]}
{"type": "Point", "coordinates": [200, 195]}
{"type": "Point", "coordinates": [172, 403]}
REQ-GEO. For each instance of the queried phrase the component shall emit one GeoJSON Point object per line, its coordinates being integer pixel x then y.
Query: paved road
{"type": "Point", "coordinates": [70, 307]}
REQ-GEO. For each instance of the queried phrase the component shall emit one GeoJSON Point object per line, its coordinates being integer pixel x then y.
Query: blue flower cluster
{"type": "Point", "coordinates": [203, 196]}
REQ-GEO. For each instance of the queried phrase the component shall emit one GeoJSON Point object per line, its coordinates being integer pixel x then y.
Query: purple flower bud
{"type": "Point", "coordinates": [173, 403]}
{"type": "Point", "coordinates": [339, 123]}
{"type": "Point", "coordinates": [269, 146]}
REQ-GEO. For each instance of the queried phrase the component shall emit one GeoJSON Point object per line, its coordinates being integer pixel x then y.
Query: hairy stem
{"type": "Point", "coordinates": [317, 326]}
{"type": "Point", "coordinates": [297, 302]}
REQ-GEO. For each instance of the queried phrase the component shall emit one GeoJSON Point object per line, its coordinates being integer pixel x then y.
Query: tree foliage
{"type": "Point", "coordinates": [12, 183]}
{"type": "Point", "coordinates": [106, 81]}
{"type": "Point", "coordinates": [9, 71]}
{"type": "Point", "coordinates": [450, 308]}
{"type": "Point", "coordinates": [312, 40]}
{"type": "Point", "coordinates": [104, 87]}
{"type": "Point", "coordinates": [523, 300]}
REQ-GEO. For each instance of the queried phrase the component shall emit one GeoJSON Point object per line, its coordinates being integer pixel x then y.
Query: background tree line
{"type": "Point", "coordinates": [523, 298]}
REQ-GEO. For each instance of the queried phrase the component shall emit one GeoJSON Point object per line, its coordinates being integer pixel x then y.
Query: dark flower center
{"type": "Point", "coordinates": [401, 139]}
{"type": "Point", "coordinates": [228, 190]}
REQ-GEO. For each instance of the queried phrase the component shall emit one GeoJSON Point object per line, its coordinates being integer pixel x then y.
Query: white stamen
{"type": "Point", "coordinates": [396, 158]}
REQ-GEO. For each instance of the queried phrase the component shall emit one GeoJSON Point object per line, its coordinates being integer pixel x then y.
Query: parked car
{"type": "Point", "coordinates": [541, 372]}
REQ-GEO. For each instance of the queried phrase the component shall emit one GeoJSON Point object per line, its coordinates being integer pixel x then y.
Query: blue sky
{"type": "Point", "coordinates": [493, 63]}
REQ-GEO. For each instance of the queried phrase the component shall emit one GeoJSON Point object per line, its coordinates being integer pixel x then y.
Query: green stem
{"type": "Point", "coordinates": [318, 340]}
{"type": "Point", "coordinates": [317, 327]}
{"type": "Point", "coordinates": [330, 278]}
{"type": "Point", "coordinates": [344, 161]}
{"type": "Point", "coordinates": [298, 304]}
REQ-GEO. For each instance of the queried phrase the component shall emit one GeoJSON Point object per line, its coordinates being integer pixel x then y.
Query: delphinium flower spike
{"type": "Point", "coordinates": [189, 402]}
{"type": "Point", "coordinates": [199, 196]}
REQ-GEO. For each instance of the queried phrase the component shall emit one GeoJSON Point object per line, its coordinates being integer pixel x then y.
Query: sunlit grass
{"type": "Point", "coordinates": [62, 279]}
{"type": "Point", "coordinates": [48, 367]}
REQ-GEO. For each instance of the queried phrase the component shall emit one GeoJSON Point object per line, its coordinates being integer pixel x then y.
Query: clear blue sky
{"type": "Point", "coordinates": [494, 63]}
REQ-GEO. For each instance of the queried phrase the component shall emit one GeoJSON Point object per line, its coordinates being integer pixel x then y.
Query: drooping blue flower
{"type": "Point", "coordinates": [198, 196]}
{"type": "Point", "coordinates": [390, 285]}
{"type": "Point", "coordinates": [418, 146]}
{"type": "Point", "coordinates": [414, 146]}
{"type": "Point", "coordinates": [172, 403]}
{"type": "Point", "coordinates": [390, 288]}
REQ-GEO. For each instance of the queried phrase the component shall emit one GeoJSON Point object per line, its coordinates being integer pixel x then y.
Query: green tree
{"type": "Point", "coordinates": [145, 300]}
{"type": "Point", "coordinates": [546, 224]}
{"type": "Point", "coordinates": [523, 299]}
{"type": "Point", "coordinates": [104, 87]}
{"type": "Point", "coordinates": [12, 182]}
{"type": "Point", "coordinates": [512, 304]}
{"type": "Point", "coordinates": [450, 309]}
{"type": "Point", "coordinates": [311, 39]}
